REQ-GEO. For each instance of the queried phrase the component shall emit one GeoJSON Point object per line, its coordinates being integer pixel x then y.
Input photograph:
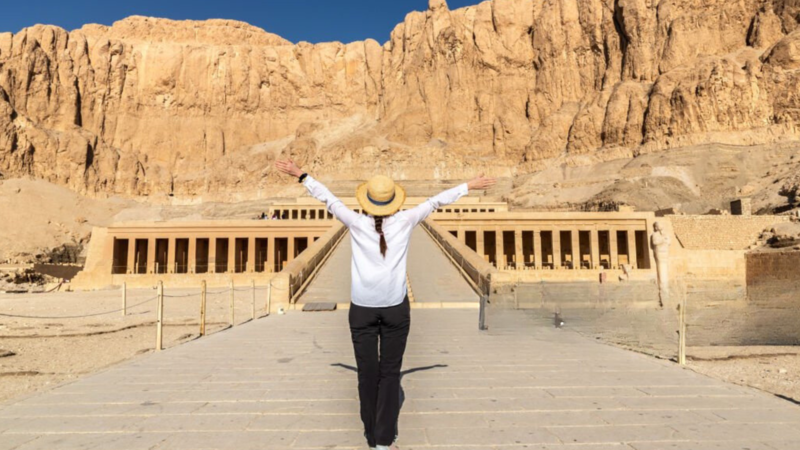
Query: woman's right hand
{"type": "Point", "coordinates": [288, 167]}
{"type": "Point", "coordinates": [481, 182]}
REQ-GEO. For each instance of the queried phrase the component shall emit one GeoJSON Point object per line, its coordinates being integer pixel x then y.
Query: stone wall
{"type": "Point", "coordinates": [765, 311]}
{"type": "Point", "coordinates": [769, 268]}
{"type": "Point", "coordinates": [728, 265]}
{"type": "Point", "coordinates": [721, 232]}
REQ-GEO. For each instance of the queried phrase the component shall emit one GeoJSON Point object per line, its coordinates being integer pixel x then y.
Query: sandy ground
{"type": "Point", "coordinates": [774, 369]}
{"type": "Point", "coordinates": [37, 354]}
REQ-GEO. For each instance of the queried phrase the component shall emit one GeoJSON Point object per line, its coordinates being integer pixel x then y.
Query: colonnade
{"type": "Point", "coordinates": [558, 247]}
{"type": "Point", "coordinates": [134, 254]}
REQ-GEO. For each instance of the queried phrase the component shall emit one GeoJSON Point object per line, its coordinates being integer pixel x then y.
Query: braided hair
{"type": "Point", "coordinates": [379, 229]}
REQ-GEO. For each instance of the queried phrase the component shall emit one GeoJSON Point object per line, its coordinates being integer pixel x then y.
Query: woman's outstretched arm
{"type": "Point", "coordinates": [423, 210]}
{"type": "Point", "coordinates": [318, 190]}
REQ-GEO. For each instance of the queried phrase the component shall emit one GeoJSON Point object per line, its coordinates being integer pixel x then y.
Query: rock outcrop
{"type": "Point", "coordinates": [152, 106]}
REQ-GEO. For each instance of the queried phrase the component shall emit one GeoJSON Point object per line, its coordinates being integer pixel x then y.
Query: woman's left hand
{"type": "Point", "coordinates": [288, 167]}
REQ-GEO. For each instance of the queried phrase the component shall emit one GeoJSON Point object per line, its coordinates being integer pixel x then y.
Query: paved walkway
{"type": "Point", "coordinates": [287, 382]}
{"type": "Point", "coordinates": [433, 277]}
{"type": "Point", "coordinates": [332, 282]}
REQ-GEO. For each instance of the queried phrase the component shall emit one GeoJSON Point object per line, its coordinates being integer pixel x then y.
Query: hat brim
{"type": "Point", "coordinates": [380, 210]}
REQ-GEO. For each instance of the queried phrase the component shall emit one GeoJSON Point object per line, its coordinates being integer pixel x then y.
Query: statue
{"type": "Point", "coordinates": [660, 243]}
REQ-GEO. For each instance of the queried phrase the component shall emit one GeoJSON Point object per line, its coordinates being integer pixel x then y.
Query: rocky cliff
{"type": "Point", "coordinates": [152, 106]}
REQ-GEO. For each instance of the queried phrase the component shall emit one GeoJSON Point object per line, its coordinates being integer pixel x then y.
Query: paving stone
{"type": "Point", "coordinates": [694, 445]}
{"type": "Point", "coordinates": [12, 441]}
{"type": "Point", "coordinates": [229, 440]}
{"type": "Point", "coordinates": [650, 417]}
{"type": "Point", "coordinates": [737, 430]}
{"type": "Point", "coordinates": [489, 436]}
{"type": "Point", "coordinates": [75, 424]}
{"type": "Point", "coordinates": [783, 445]}
{"type": "Point", "coordinates": [613, 433]}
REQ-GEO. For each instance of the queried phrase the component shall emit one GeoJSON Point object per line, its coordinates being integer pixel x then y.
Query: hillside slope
{"type": "Point", "coordinates": [152, 106]}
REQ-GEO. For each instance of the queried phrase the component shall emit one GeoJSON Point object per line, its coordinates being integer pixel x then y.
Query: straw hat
{"type": "Point", "coordinates": [380, 196]}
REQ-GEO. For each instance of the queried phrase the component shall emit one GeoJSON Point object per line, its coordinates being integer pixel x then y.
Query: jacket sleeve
{"type": "Point", "coordinates": [335, 206]}
{"type": "Point", "coordinates": [420, 212]}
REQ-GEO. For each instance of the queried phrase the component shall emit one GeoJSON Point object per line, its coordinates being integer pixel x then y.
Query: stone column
{"type": "Point", "coordinates": [131, 255]}
{"type": "Point", "coordinates": [556, 248]}
{"type": "Point", "coordinates": [632, 248]}
{"type": "Point", "coordinates": [498, 249]}
{"type": "Point", "coordinates": [290, 250]}
{"type": "Point", "coordinates": [537, 249]}
{"type": "Point", "coordinates": [518, 253]}
{"type": "Point", "coordinates": [212, 255]}
{"type": "Point", "coordinates": [270, 254]}
{"type": "Point", "coordinates": [459, 235]}
{"type": "Point", "coordinates": [192, 263]}
{"type": "Point", "coordinates": [576, 248]}
{"type": "Point", "coordinates": [251, 254]}
{"type": "Point", "coordinates": [171, 255]}
{"type": "Point", "coordinates": [613, 249]}
{"type": "Point", "coordinates": [594, 242]}
{"type": "Point", "coordinates": [151, 255]}
{"type": "Point", "coordinates": [231, 254]}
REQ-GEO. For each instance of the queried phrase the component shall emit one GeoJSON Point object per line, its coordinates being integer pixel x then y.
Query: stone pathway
{"type": "Point", "coordinates": [433, 277]}
{"type": "Point", "coordinates": [332, 282]}
{"type": "Point", "coordinates": [287, 382]}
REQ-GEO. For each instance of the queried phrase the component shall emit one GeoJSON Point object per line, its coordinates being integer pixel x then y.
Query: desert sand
{"type": "Point", "coordinates": [38, 354]}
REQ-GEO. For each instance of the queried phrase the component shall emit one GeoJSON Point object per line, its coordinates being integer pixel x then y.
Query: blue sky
{"type": "Point", "coordinates": [295, 20]}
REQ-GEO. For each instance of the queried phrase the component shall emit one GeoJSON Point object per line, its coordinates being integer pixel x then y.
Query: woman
{"type": "Point", "coordinates": [379, 313]}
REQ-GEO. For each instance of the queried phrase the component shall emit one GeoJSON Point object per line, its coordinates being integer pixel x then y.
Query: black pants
{"type": "Point", "coordinates": [379, 371]}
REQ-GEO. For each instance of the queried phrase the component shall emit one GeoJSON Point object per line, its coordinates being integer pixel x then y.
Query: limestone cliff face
{"type": "Point", "coordinates": [152, 106]}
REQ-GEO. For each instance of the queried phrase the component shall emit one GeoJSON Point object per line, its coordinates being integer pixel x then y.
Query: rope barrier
{"type": "Point", "coordinates": [76, 317]}
{"type": "Point", "coordinates": [182, 296]}
{"type": "Point", "coordinates": [197, 294]}
{"type": "Point", "coordinates": [218, 292]}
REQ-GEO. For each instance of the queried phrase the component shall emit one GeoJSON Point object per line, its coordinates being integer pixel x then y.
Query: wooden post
{"type": "Point", "coordinates": [254, 300]}
{"type": "Point", "coordinates": [482, 314]}
{"type": "Point", "coordinates": [233, 304]}
{"type": "Point", "coordinates": [269, 296]}
{"type": "Point", "coordinates": [124, 298]}
{"type": "Point", "coordinates": [682, 331]}
{"type": "Point", "coordinates": [203, 308]}
{"type": "Point", "coordinates": [160, 322]}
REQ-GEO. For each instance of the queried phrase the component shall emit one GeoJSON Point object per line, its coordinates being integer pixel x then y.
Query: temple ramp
{"type": "Point", "coordinates": [332, 282]}
{"type": "Point", "coordinates": [433, 278]}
